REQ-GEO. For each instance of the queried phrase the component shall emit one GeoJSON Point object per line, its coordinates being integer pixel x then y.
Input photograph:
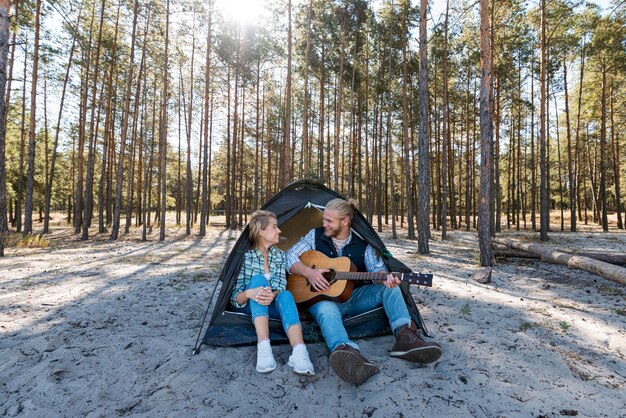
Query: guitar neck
{"type": "Point", "coordinates": [358, 276]}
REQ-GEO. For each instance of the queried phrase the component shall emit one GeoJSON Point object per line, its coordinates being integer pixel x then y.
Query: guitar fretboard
{"type": "Point", "coordinates": [342, 275]}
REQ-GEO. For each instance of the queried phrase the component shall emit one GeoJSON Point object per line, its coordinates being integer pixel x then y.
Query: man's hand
{"type": "Point", "coordinates": [391, 281]}
{"type": "Point", "coordinates": [317, 280]}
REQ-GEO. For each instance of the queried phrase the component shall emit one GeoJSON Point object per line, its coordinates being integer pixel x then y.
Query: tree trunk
{"type": "Point", "coordinates": [286, 166]}
{"type": "Point", "coordinates": [206, 190]}
{"type": "Point", "coordinates": [30, 173]}
{"type": "Point", "coordinates": [405, 131]}
{"type": "Point", "coordinates": [605, 220]}
{"type": "Point", "coordinates": [570, 171]}
{"type": "Point", "coordinates": [486, 139]}
{"type": "Point", "coordinates": [88, 199]}
{"type": "Point", "coordinates": [49, 183]}
{"type": "Point", "coordinates": [445, 131]}
{"type": "Point", "coordinates": [5, 24]}
{"type": "Point", "coordinates": [616, 164]}
{"type": "Point", "coordinates": [544, 210]}
{"type": "Point", "coordinates": [163, 125]}
{"type": "Point", "coordinates": [423, 197]}
{"type": "Point", "coordinates": [120, 162]}
{"type": "Point", "coordinates": [188, 194]}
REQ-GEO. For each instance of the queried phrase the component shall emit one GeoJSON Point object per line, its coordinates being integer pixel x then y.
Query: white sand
{"type": "Point", "coordinates": [106, 328]}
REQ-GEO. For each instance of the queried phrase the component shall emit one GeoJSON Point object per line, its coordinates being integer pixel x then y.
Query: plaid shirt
{"type": "Point", "coordinates": [254, 264]}
{"type": "Point", "coordinates": [373, 263]}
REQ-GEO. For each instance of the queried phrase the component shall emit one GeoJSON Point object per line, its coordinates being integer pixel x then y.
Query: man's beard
{"type": "Point", "coordinates": [331, 232]}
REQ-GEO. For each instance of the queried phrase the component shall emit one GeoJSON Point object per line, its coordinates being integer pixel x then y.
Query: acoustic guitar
{"type": "Point", "coordinates": [341, 275]}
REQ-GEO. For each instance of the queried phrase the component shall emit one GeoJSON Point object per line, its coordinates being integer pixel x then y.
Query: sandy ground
{"type": "Point", "coordinates": [107, 328]}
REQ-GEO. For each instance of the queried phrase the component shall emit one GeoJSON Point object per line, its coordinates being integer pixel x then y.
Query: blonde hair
{"type": "Point", "coordinates": [344, 208]}
{"type": "Point", "coordinates": [259, 220]}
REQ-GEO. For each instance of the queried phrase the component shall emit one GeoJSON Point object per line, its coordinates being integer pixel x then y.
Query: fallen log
{"type": "Point", "coordinates": [600, 268]}
{"type": "Point", "coordinates": [617, 259]}
{"type": "Point", "coordinates": [500, 253]}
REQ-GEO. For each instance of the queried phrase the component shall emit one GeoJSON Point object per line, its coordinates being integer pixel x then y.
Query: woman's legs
{"type": "Point", "coordinates": [289, 316]}
{"type": "Point", "coordinates": [259, 312]}
{"type": "Point", "coordinates": [265, 362]}
{"type": "Point", "coordinates": [288, 312]}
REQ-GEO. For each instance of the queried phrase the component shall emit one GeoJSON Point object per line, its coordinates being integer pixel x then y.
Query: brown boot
{"type": "Point", "coordinates": [350, 365]}
{"type": "Point", "coordinates": [410, 346]}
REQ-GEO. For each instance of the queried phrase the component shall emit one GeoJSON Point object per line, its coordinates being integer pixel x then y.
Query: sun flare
{"type": "Point", "coordinates": [243, 11]}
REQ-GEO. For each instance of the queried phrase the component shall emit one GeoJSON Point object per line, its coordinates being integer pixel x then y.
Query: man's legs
{"type": "Point", "coordinates": [366, 298]}
{"type": "Point", "coordinates": [329, 317]}
{"type": "Point", "coordinates": [345, 358]}
{"type": "Point", "coordinates": [409, 345]}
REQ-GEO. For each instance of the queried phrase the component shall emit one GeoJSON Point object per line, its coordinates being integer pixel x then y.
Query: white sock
{"type": "Point", "coordinates": [264, 343]}
{"type": "Point", "coordinates": [299, 347]}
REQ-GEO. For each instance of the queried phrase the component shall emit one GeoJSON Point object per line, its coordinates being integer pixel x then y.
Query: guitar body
{"type": "Point", "coordinates": [341, 276]}
{"type": "Point", "coordinates": [340, 290]}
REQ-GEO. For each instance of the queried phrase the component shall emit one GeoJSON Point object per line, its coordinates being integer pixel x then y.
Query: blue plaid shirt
{"type": "Point", "coordinates": [254, 264]}
{"type": "Point", "coordinates": [373, 263]}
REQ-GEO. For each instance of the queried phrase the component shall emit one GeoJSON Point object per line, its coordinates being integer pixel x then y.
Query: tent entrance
{"type": "Point", "coordinates": [367, 324]}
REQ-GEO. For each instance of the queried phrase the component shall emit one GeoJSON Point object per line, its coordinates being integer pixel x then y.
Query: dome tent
{"type": "Point", "coordinates": [298, 208]}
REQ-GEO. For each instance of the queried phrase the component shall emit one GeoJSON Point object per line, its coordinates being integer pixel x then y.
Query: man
{"type": "Point", "coordinates": [335, 239]}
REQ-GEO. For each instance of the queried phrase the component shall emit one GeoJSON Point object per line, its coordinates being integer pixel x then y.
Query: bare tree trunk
{"type": "Point", "coordinates": [533, 165]}
{"type": "Point", "coordinates": [131, 180]}
{"type": "Point", "coordinates": [50, 181]}
{"type": "Point", "coordinates": [544, 210]}
{"type": "Point", "coordinates": [206, 189]}
{"type": "Point", "coordinates": [120, 162]}
{"type": "Point", "coordinates": [88, 208]}
{"type": "Point", "coordinates": [30, 173]}
{"type": "Point", "coordinates": [616, 165]}
{"type": "Point", "coordinates": [605, 220]}
{"type": "Point", "coordinates": [423, 197]}
{"type": "Point", "coordinates": [445, 132]}
{"type": "Point", "coordinates": [570, 171]}
{"type": "Point", "coordinates": [5, 24]}
{"type": "Point", "coordinates": [558, 153]}
{"type": "Point", "coordinates": [189, 196]}
{"type": "Point", "coordinates": [306, 147]}
{"type": "Point", "coordinates": [486, 139]}
{"type": "Point", "coordinates": [405, 129]}
{"type": "Point", "coordinates": [580, 98]}
{"type": "Point", "coordinates": [163, 124]}
{"type": "Point", "coordinates": [286, 166]}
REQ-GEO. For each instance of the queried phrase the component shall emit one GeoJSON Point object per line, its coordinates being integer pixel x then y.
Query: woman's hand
{"type": "Point", "coordinates": [263, 295]}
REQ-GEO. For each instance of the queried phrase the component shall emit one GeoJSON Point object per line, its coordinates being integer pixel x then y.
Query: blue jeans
{"type": "Point", "coordinates": [283, 306]}
{"type": "Point", "coordinates": [329, 315]}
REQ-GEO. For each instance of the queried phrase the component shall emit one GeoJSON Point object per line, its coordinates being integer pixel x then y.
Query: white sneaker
{"type": "Point", "coordinates": [265, 362]}
{"type": "Point", "coordinates": [300, 361]}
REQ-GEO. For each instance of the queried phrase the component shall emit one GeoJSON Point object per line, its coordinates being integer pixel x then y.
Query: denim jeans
{"type": "Point", "coordinates": [329, 315]}
{"type": "Point", "coordinates": [283, 306]}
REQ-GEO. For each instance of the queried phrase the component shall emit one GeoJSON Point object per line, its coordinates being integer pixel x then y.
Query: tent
{"type": "Point", "coordinates": [298, 208]}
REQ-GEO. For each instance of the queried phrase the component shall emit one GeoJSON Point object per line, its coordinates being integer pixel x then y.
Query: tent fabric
{"type": "Point", "coordinates": [298, 209]}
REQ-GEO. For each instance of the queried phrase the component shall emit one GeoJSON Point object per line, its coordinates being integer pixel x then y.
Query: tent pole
{"type": "Point", "coordinates": [196, 348]}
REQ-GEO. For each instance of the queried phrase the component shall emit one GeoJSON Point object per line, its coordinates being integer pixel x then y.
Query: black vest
{"type": "Point", "coordinates": [354, 250]}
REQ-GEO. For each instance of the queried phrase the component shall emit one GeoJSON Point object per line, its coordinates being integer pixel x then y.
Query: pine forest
{"type": "Point", "coordinates": [433, 115]}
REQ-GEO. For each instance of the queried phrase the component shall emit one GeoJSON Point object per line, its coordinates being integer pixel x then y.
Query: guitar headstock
{"type": "Point", "coordinates": [421, 279]}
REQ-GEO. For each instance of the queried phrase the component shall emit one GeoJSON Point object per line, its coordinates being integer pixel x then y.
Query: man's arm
{"type": "Point", "coordinates": [295, 266]}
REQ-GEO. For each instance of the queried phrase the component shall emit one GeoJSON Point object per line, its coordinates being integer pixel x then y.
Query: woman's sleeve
{"type": "Point", "coordinates": [240, 286]}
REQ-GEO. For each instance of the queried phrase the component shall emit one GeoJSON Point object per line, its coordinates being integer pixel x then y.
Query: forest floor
{"type": "Point", "coordinates": [103, 328]}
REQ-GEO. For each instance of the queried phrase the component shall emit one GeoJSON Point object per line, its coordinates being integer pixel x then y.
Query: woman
{"type": "Point", "coordinates": [260, 292]}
